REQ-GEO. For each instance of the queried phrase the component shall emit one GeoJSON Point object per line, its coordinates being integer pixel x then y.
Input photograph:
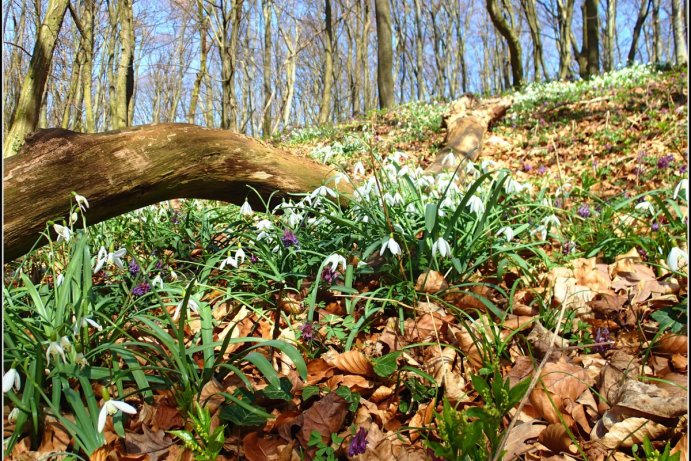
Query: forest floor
{"type": "Point", "coordinates": [564, 340]}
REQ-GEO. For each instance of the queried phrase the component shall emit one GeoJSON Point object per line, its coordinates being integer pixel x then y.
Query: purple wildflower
{"type": "Point", "coordinates": [174, 217]}
{"type": "Point", "coordinates": [655, 226]}
{"type": "Point", "coordinates": [643, 254]}
{"type": "Point", "coordinates": [638, 170]}
{"type": "Point", "coordinates": [307, 331]}
{"type": "Point", "coordinates": [568, 247]}
{"type": "Point", "coordinates": [289, 239]}
{"type": "Point", "coordinates": [584, 211]}
{"type": "Point", "coordinates": [664, 161]}
{"type": "Point", "coordinates": [133, 268]}
{"type": "Point", "coordinates": [602, 336]}
{"type": "Point", "coordinates": [558, 202]}
{"type": "Point", "coordinates": [527, 167]}
{"type": "Point", "coordinates": [329, 275]}
{"type": "Point", "coordinates": [253, 259]}
{"type": "Point", "coordinates": [683, 169]}
{"type": "Point", "coordinates": [542, 169]}
{"type": "Point", "coordinates": [159, 265]}
{"type": "Point", "coordinates": [141, 289]}
{"type": "Point", "coordinates": [358, 444]}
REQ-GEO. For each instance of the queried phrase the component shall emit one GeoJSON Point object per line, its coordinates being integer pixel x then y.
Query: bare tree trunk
{"type": "Point", "coordinates": [384, 54]}
{"type": "Point", "coordinates": [228, 36]}
{"type": "Point", "coordinates": [533, 25]}
{"type": "Point", "coordinates": [325, 107]}
{"type": "Point", "coordinates": [564, 17]}
{"type": "Point", "coordinates": [642, 14]}
{"type": "Point", "coordinates": [120, 171]}
{"type": "Point", "coordinates": [13, 74]}
{"type": "Point", "coordinates": [592, 27]}
{"type": "Point", "coordinates": [124, 83]}
{"type": "Point", "coordinates": [203, 55]}
{"type": "Point", "coordinates": [87, 68]}
{"type": "Point", "coordinates": [610, 35]}
{"type": "Point", "coordinates": [27, 113]}
{"type": "Point", "coordinates": [679, 34]}
{"type": "Point", "coordinates": [657, 45]}
{"type": "Point", "coordinates": [290, 72]}
{"type": "Point", "coordinates": [365, 57]}
{"type": "Point", "coordinates": [266, 124]}
{"type": "Point", "coordinates": [419, 56]}
{"type": "Point", "coordinates": [512, 41]}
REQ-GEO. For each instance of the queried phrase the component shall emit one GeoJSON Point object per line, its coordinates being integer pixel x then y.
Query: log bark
{"type": "Point", "coordinates": [121, 171]}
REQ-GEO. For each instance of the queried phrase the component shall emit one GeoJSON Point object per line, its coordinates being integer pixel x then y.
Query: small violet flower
{"type": "Point", "coordinates": [134, 268]}
{"type": "Point", "coordinates": [584, 211]}
{"type": "Point", "coordinates": [602, 336]}
{"type": "Point", "coordinates": [358, 444]}
{"type": "Point", "coordinates": [110, 408]}
{"type": "Point", "coordinates": [11, 379]}
{"type": "Point", "coordinates": [141, 289]}
{"type": "Point", "coordinates": [289, 239]}
{"type": "Point", "coordinates": [329, 275]}
{"type": "Point", "coordinates": [307, 331]}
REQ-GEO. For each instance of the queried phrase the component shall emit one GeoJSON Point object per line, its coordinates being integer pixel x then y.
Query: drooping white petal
{"type": "Point", "coordinates": [551, 220]}
{"type": "Point", "coordinates": [81, 201]}
{"type": "Point", "coordinates": [123, 407]}
{"type": "Point", "coordinates": [11, 379]}
{"type": "Point", "coordinates": [645, 206]}
{"type": "Point", "coordinates": [677, 258]}
{"type": "Point", "coordinates": [476, 206]}
{"type": "Point", "coordinates": [64, 233]}
{"type": "Point", "coordinates": [102, 415]}
{"type": "Point", "coordinates": [246, 209]}
{"type": "Point", "coordinates": [683, 185]}
{"type": "Point", "coordinates": [441, 246]}
{"type": "Point", "coordinates": [507, 232]}
{"type": "Point", "coordinates": [335, 260]}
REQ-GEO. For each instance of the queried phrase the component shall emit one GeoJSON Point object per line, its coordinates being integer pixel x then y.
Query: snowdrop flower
{"type": "Point", "coordinates": [173, 275]}
{"type": "Point", "coordinates": [263, 226]}
{"type": "Point", "coordinates": [53, 350]}
{"type": "Point", "coordinates": [64, 233]}
{"type": "Point", "coordinates": [323, 191]}
{"type": "Point", "coordinates": [82, 202]}
{"type": "Point", "coordinates": [359, 169]}
{"type": "Point", "coordinates": [398, 156]}
{"type": "Point", "coordinates": [110, 408]}
{"type": "Point", "coordinates": [645, 206]}
{"type": "Point", "coordinates": [512, 186]}
{"type": "Point", "coordinates": [507, 232]}
{"type": "Point", "coordinates": [392, 245]}
{"type": "Point", "coordinates": [240, 255]}
{"type": "Point", "coordinates": [471, 168]}
{"type": "Point", "coordinates": [228, 261]}
{"type": "Point", "coordinates": [551, 220]}
{"type": "Point", "coordinates": [73, 218]}
{"type": "Point", "coordinates": [336, 260]}
{"type": "Point", "coordinates": [486, 164]}
{"type": "Point", "coordinates": [11, 379]}
{"type": "Point", "coordinates": [114, 258]}
{"type": "Point", "coordinates": [564, 190]}
{"type": "Point", "coordinates": [59, 279]}
{"type": "Point", "coordinates": [191, 305]}
{"type": "Point", "coordinates": [677, 258]}
{"type": "Point", "coordinates": [65, 343]}
{"type": "Point", "coordinates": [14, 414]}
{"type": "Point", "coordinates": [540, 231]}
{"type": "Point", "coordinates": [683, 184]}
{"type": "Point", "coordinates": [246, 209]}
{"type": "Point", "coordinates": [441, 246]}
{"type": "Point", "coordinates": [86, 321]}
{"type": "Point", "coordinates": [476, 206]}
{"type": "Point", "coordinates": [404, 171]}
{"type": "Point", "coordinates": [338, 178]}
{"type": "Point", "coordinates": [411, 208]}
{"type": "Point", "coordinates": [80, 360]}
{"type": "Point", "coordinates": [157, 281]}
{"type": "Point", "coordinates": [449, 160]}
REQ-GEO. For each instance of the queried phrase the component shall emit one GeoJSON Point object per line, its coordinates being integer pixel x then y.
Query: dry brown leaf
{"type": "Point", "coordinates": [557, 439]}
{"type": "Point", "coordinates": [381, 393]}
{"type": "Point", "coordinates": [590, 274]}
{"type": "Point", "coordinates": [680, 363]}
{"type": "Point", "coordinates": [424, 328]}
{"type": "Point", "coordinates": [672, 344]}
{"type": "Point", "coordinates": [541, 338]}
{"type": "Point", "coordinates": [355, 383]}
{"type": "Point", "coordinates": [326, 417]}
{"type": "Point", "coordinates": [682, 447]}
{"type": "Point", "coordinates": [431, 282]}
{"type": "Point", "coordinates": [354, 362]}
{"type": "Point", "coordinates": [421, 419]}
{"type": "Point", "coordinates": [517, 441]}
{"type": "Point", "coordinates": [318, 370]}
{"type": "Point", "coordinates": [558, 381]}
{"type": "Point", "coordinates": [632, 430]}
{"type": "Point", "coordinates": [154, 444]}
{"type": "Point", "coordinates": [640, 399]}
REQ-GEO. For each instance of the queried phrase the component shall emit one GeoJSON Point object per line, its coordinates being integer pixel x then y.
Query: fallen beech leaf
{"type": "Point", "coordinates": [682, 447]}
{"type": "Point", "coordinates": [680, 363]}
{"type": "Point", "coordinates": [559, 381]}
{"type": "Point", "coordinates": [258, 448]}
{"type": "Point", "coordinates": [422, 418]}
{"type": "Point", "coordinates": [541, 338]}
{"type": "Point", "coordinates": [557, 439]}
{"type": "Point", "coordinates": [672, 344]}
{"type": "Point", "coordinates": [354, 362]}
{"type": "Point", "coordinates": [632, 430]}
{"type": "Point", "coordinates": [424, 328]}
{"type": "Point", "coordinates": [353, 382]}
{"type": "Point", "coordinates": [326, 417]}
{"type": "Point", "coordinates": [517, 440]}
{"type": "Point", "coordinates": [431, 282]}
{"type": "Point", "coordinates": [381, 393]}
{"type": "Point", "coordinates": [155, 444]}
{"type": "Point", "coordinates": [318, 370]}
{"type": "Point", "coordinates": [590, 274]}
{"type": "Point", "coordinates": [640, 399]}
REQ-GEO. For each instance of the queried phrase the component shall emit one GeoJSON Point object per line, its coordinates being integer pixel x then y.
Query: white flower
{"type": "Point", "coordinates": [564, 190]}
{"type": "Point", "coordinates": [292, 219]}
{"type": "Point", "coordinates": [486, 164]}
{"type": "Point", "coordinates": [441, 246]}
{"type": "Point", "coordinates": [358, 169]}
{"type": "Point", "coordinates": [449, 160]}
{"type": "Point", "coordinates": [323, 191]}
{"type": "Point", "coordinates": [111, 407]}
{"type": "Point", "coordinates": [80, 360]}
{"type": "Point", "coordinates": [541, 231]}
{"type": "Point", "coordinates": [114, 258]}
{"type": "Point", "coordinates": [14, 414]}
{"type": "Point", "coordinates": [683, 184]}
{"type": "Point", "coordinates": [246, 209]}
{"type": "Point", "coordinates": [11, 379]}
{"type": "Point", "coordinates": [64, 233]}
{"type": "Point", "coordinates": [470, 168]}
{"type": "Point", "coordinates": [551, 220]}
{"type": "Point", "coordinates": [53, 350]}
{"type": "Point", "coordinates": [645, 206]}
{"type": "Point", "coordinates": [191, 305]}
{"type": "Point", "coordinates": [240, 255]}
{"type": "Point", "coordinates": [228, 261]}
{"type": "Point", "coordinates": [59, 279]}
{"type": "Point", "coordinates": [73, 218]}
{"type": "Point", "coordinates": [392, 245]}
{"type": "Point", "coordinates": [507, 232]}
{"type": "Point", "coordinates": [173, 275]}
{"type": "Point", "coordinates": [65, 343]}
{"type": "Point", "coordinates": [512, 186]}
{"type": "Point", "coordinates": [336, 260]}
{"type": "Point", "coordinates": [397, 156]}
{"type": "Point", "coordinates": [157, 281]}
{"type": "Point", "coordinates": [404, 171]}
{"type": "Point", "coordinates": [677, 258]}
{"type": "Point", "coordinates": [86, 321]}
{"type": "Point", "coordinates": [476, 206]}
{"type": "Point", "coordinates": [81, 201]}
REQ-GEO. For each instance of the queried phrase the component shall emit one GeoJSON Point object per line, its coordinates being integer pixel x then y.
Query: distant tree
{"type": "Point", "coordinates": [325, 107]}
{"type": "Point", "coordinates": [384, 54]}
{"type": "Point", "coordinates": [638, 26]}
{"type": "Point", "coordinates": [27, 112]}
{"type": "Point", "coordinates": [564, 42]}
{"type": "Point", "coordinates": [531, 17]}
{"type": "Point", "coordinates": [591, 23]}
{"type": "Point", "coordinates": [610, 36]}
{"type": "Point", "coordinates": [511, 37]}
{"type": "Point", "coordinates": [679, 34]}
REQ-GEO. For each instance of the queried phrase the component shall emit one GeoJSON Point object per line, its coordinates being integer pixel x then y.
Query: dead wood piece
{"type": "Point", "coordinates": [121, 171]}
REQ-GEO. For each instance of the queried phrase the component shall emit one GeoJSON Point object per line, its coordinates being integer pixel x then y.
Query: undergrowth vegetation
{"type": "Point", "coordinates": [419, 290]}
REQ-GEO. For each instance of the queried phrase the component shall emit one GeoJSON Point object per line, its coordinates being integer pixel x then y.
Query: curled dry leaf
{"type": "Point", "coordinates": [468, 344]}
{"type": "Point", "coordinates": [381, 393]}
{"type": "Point", "coordinates": [557, 439]}
{"type": "Point", "coordinates": [640, 399]}
{"type": "Point", "coordinates": [590, 274]}
{"type": "Point", "coordinates": [262, 448]}
{"type": "Point", "coordinates": [354, 362]}
{"type": "Point", "coordinates": [632, 430]}
{"type": "Point", "coordinates": [326, 417]}
{"type": "Point", "coordinates": [558, 381]}
{"type": "Point", "coordinates": [422, 418]}
{"type": "Point", "coordinates": [521, 437]}
{"type": "Point", "coordinates": [673, 344]}
{"type": "Point", "coordinates": [541, 338]}
{"type": "Point", "coordinates": [431, 282]}
{"type": "Point", "coordinates": [682, 447]}
{"type": "Point", "coordinates": [289, 303]}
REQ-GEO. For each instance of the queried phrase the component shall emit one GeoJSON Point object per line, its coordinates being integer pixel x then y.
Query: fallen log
{"type": "Point", "coordinates": [121, 171]}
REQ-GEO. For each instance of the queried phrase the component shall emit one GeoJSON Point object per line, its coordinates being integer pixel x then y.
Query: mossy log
{"type": "Point", "coordinates": [121, 171]}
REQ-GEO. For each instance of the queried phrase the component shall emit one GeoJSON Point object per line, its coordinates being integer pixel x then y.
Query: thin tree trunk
{"type": "Point", "coordinates": [266, 124]}
{"type": "Point", "coordinates": [325, 106]}
{"type": "Point", "coordinates": [384, 54]}
{"type": "Point", "coordinates": [87, 68]}
{"type": "Point", "coordinates": [203, 55]}
{"type": "Point", "coordinates": [290, 73]}
{"type": "Point", "coordinates": [365, 57]}
{"type": "Point", "coordinates": [679, 34]}
{"type": "Point", "coordinates": [610, 35]}
{"type": "Point", "coordinates": [125, 75]}
{"type": "Point", "coordinates": [512, 41]}
{"type": "Point", "coordinates": [419, 56]}
{"type": "Point", "coordinates": [28, 110]}
{"type": "Point", "coordinates": [533, 25]}
{"type": "Point", "coordinates": [564, 17]}
{"type": "Point", "coordinates": [657, 45]}
{"type": "Point", "coordinates": [640, 20]}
